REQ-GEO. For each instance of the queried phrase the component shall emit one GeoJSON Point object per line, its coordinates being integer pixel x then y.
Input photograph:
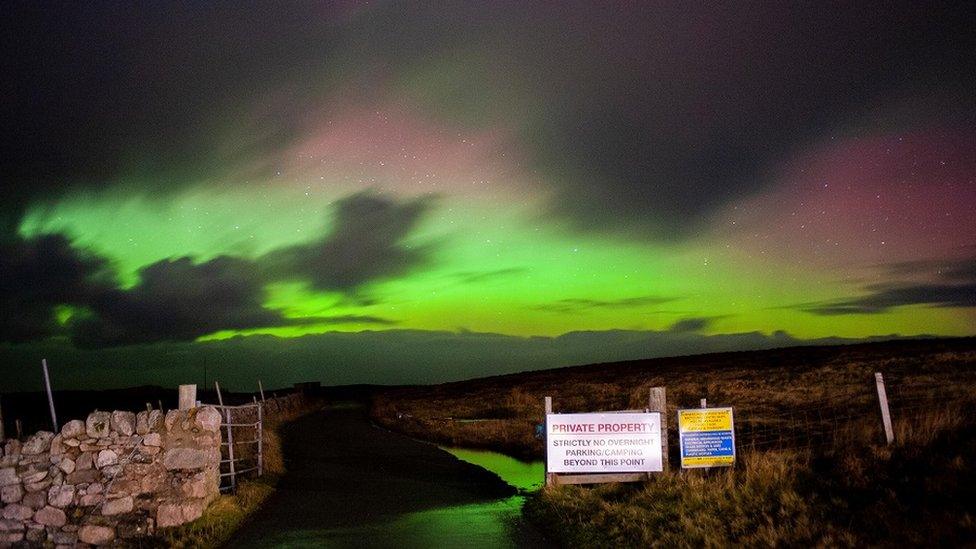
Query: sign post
{"type": "Point", "coordinates": [706, 437]}
{"type": "Point", "coordinates": [603, 447]}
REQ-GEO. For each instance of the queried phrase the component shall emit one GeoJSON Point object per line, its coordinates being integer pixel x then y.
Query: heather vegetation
{"type": "Point", "coordinates": [813, 467]}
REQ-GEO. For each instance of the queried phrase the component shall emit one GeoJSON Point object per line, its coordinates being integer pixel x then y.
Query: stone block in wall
{"type": "Point", "coordinates": [201, 485]}
{"type": "Point", "coordinates": [35, 500]}
{"type": "Point", "coordinates": [124, 423]}
{"type": "Point", "coordinates": [61, 496]}
{"type": "Point", "coordinates": [172, 417]}
{"type": "Point", "coordinates": [142, 422]}
{"type": "Point", "coordinates": [155, 420]}
{"type": "Point", "coordinates": [82, 476]}
{"type": "Point", "coordinates": [35, 534]}
{"type": "Point", "coordinates": [96, 535]}
{"type": "Point", "coordinates": [152, 439]}
{"type": "Point", "coordinates": [38, 443]}
{"type": "Point", "coordinates": [74, 429]}
{"type": "Point", "coordinates": [33, 475]}
{"type": "Point", "coordinates": [11, 447]}
{"type": "Point", "coordinates": [60, 537]}
{"type": "Point", "coordinates": [112, 471]}
{"type": "Point", "coordinates": [50, 516]}
{"type": "Point", "coordinates": [85, 461]}
{"type": "Point", "coordinates": [57, 445]}
{"type": "Point", "coordinates": [117, 506]}
{"type": "Point", "coordinates": [209, 419]}
{"type": "Point", "coordinates": [8, 475]}
{"type": "Point", "coordinates": [180, 512]}
{"type": "Point", "coordinates": [12, 493]}
{"type": "Point", "coordinates": [182, 459]}
{"type": "Point", "coordinates": [16, 511]}
{"type": "Point", "coordinates": [67, 465]}
{"type": "Point", "coordinates": [98, 425]}
{"type": "Point", "coordinates": [91, 500]}
{"type": "Point", "coordinates": [106, 458]}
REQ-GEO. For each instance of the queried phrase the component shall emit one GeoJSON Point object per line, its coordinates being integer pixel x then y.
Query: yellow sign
{"type": "Point", "coordinates": [707, 437]}
{"type": "Point", "coordinates": [706, 419]}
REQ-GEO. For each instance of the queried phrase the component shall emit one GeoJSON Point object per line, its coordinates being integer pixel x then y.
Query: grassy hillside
{"type": "Point", "coordinates": [813, 468]}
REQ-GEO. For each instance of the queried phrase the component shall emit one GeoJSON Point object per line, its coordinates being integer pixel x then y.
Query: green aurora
{"type": "Point", "coordinates": [537, 183]}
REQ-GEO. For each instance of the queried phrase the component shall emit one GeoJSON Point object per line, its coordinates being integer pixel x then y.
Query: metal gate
{"type": "Point", "coordinates": [242, 450]}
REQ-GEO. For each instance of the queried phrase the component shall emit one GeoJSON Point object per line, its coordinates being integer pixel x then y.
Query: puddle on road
{"type": "Point", "coordinates": [490, 524]}
{"type": "Point", "coordinates": [522, 475]}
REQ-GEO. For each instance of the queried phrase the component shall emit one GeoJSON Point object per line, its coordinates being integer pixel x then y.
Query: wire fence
{"type": "Point", "coordinates": [823, 413]}
{"type": "Point", "coordinates": [854, 414]}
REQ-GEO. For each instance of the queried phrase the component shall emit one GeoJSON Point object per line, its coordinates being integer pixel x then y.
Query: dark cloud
{"type": "Point", "coordinates": [884, 298]}
{"type": "Point", "coordinates": [93, 91]}
{"type": "Point", "coordinates": [576, 305]}
{"type": "Point", "coordinates": [177, 300]}
{"type": "Point", "coordinates": [477, 277]}
{"type": "Point", "coordinates": [651, 117]}
{"type": "Point", "coordinates": [367, 243]}
{"type": "Point", "coordinates": [686, 325]}
{"type": "Point", "coordinates": [39, 274]}
{"type": "Point", "coordinates": [935, 283]}
{"type": "Point", "coordinates": [350, 319]}
{"type": "Point", "coordinates": [698, 103]}
{"type": "Point", "coordinates": [647, 117]}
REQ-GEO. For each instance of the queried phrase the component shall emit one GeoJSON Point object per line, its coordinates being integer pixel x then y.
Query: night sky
{"type": "Point", "coordinates": [437, 192]}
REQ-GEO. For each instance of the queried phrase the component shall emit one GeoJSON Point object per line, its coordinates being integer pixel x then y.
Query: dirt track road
{"type": "Point", "coordinates": [351, 484]}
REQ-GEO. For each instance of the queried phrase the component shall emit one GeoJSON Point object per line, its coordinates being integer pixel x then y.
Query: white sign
{"type": "Point", "coordinates": [622, 442]}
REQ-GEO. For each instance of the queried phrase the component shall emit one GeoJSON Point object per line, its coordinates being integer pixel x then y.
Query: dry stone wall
{"type": "Point", "coordinates": [110, 479]}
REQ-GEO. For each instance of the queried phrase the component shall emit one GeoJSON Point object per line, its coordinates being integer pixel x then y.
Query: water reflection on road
{"type": "Point", "coordinates": [492, 524]}
{"type": "Point", "coordinates": [380, 489]}
{"type": "Point", "coordinates": [522, 475]}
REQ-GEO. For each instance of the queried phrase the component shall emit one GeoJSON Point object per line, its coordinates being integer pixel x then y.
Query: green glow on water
{"type": "Point", "coordinates": [522, 475]}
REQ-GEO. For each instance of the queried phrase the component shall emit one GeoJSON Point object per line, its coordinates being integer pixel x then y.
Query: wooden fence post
{"type": "Point", "coordinates": [658, 403]}
{"type": "Point", "coordinates": [885, 414]}
{"type": "Point", "coordinates": [188, 396]}
{"type": "Point", "coordinates": [260, 437]}
{"type": "Point", "coordinates": [230, 437]}
{"type": "Point", "coordinates": [704, 403]}
{"type": "Point", "coordinates": [50, 397]}
{"type": "Point", "coordinates": [261, 389]}
{"type": "Point", "coordinates": [550, 477]}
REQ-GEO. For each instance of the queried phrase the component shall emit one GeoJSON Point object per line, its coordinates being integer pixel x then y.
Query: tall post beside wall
{"type": "Point", "coordinates": [188, 396]}
{"type": "Point", "coordinates": [50, 397]}
{"type": "Point", "coordinates": [883, 402]}
{"type": "Point", "coordinates": [658, 403]}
